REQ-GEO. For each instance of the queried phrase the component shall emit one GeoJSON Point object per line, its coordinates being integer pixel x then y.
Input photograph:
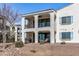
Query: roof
{"type": "Point", "coordinates": [38, 12]}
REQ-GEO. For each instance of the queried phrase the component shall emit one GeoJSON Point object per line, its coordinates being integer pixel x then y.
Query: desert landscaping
{"type": "Point", "coordinates": [33, 49]}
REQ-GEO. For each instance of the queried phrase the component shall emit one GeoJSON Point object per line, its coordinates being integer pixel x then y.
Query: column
{"type": "Point", "coordinates": [52, 28]}
{"type": "Point", "coordinates": [16, 33]}
{"type": "Point", "coordinates": [23, 25]}
{"type": "Point", "coordinates": [36, 28]}
{"type": "Point", "coordinates": [36, 37]}
{"type": "Point", "coordinates": [36, 21]}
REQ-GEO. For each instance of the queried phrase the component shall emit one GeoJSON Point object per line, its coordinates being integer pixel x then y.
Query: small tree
{"type": "Point", "coordinates": [8, 16]}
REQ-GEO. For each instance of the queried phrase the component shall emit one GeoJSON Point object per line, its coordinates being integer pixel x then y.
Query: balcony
{"type": "Point", "coordinates": [44, 23]}
{"type": "Point", "coordinates": [29, 22]}
{"type": "Point", "coordinates": [42, 20]}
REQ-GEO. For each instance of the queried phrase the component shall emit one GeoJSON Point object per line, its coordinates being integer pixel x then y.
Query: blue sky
{"type": "Point", "coordinates": [32, 7]}
{"type": "Point", "coordinates": [23, 8]}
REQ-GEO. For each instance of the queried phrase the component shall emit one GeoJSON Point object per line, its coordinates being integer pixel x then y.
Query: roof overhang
{"type": "Point", "coordinates": [39, 12]}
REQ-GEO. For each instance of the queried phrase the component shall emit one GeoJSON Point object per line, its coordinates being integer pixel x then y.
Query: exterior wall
{"type": "Point", "coordinates": [23, 33]}
{"type": "Point", "coordinates": [36, 29]}
{"type": "Point", "coordinates": [72, 10]}
{"type": "Point", "coordinates": [18, 32]}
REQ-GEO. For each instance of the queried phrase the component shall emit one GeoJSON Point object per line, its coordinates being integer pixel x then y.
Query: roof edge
{"type": "Point", "coordinates": [66, 6]}
{"type": "Point", "coordinates": [39, 12]}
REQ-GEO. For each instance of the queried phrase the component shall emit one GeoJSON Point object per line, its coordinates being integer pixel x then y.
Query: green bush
{"type": "Point", "coordinates": [19, 44]}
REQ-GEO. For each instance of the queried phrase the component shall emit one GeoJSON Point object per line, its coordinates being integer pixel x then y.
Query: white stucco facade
{"type": "Point", "coordinates": [71, 10]}
{"type": "Point", "coordinates": [47, 13]}
{"type": "Point", "coordinates": [55, 28]}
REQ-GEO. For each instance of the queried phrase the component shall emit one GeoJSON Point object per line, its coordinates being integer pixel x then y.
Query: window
{"type": "Point", "coordinates": [18, 28]}
{"type": "Point", "coordinates": [66, 35]}
{"type": "Point", "coordinates": [41, 36]}
{"type": "Point", "coordinates": [44, 22]}
{"type": "Point", "coordinates": [66, 20]}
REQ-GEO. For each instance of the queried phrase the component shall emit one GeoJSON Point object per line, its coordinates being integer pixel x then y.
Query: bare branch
{"type": "Point", "coordinates": [9, 15]}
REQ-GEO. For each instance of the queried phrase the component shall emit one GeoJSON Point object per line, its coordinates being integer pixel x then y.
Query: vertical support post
{"type": "Point", "coordinates": [52, 28]}
{"type": "Point", "coordinates": [36, 37]}
{"type": "Point", "coordinates": [23, 25]}
{"type": "Point", "coordinates": [36, 21]}
{"type": "Point", "coordinates": [36, 26]}
{"type": "Point", "coordinates": [16, 33]}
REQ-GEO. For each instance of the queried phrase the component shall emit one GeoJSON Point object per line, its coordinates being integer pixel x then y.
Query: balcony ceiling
{"type": "Point", "coordinates": [41, 16]}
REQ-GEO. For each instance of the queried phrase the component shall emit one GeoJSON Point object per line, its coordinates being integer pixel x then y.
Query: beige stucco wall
{"type": "Point", "coordinates": [72, 10]}
{"type": "Point", "coordinates": [36, 29]}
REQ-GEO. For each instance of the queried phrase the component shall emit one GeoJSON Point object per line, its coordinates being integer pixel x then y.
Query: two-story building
{"type": "Point", "coordinates": [52, 26]}
{"type": "Point", "coordinates": [38, 26]}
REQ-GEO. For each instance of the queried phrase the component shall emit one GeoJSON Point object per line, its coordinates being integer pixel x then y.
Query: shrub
{"type": "Point", "coordinates": [19, 44]}
{"type": "Point", "coordinates": [33, 51]}
{"type": "Point", "coordinates": [10, 38]}
{"type": "Point", "coordinates": [63, 42]}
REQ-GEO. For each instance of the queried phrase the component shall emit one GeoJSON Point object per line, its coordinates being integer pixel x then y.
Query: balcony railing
{"type": "Point", "coordinates": [44, 24]}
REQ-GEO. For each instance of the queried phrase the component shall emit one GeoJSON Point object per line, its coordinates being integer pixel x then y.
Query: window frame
{"type": "Point", "coordinates": [71, 19]}
{"type": "Point", "coordinates": [71, 36]}
{"type": "Point", "coordinates": [44, 22]}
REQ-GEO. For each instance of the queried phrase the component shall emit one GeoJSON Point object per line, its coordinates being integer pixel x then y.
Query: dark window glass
{"type": "Point", "coordinates": [66, 20]}
{"type": "Point", "coordinates": [66, 35]}
{"type": "Point", "coordinates": [43, 22]}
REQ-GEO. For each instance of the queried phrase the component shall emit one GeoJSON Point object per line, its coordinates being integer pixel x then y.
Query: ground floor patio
{"type": "Point", "coordinates": [41, 36]}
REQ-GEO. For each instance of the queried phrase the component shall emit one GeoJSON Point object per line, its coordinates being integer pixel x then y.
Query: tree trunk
{"type": "Point", "coordinates": [4, 37]}
{"type": "Point", "coordinates": [4, 40]}
{"type": "Point", "coordinates": [4, 33]}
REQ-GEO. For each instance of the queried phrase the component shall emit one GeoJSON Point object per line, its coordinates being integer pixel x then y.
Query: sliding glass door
{"type": "Point", "coordinates": [44, 36]}
{"type": "Point", "coordinates": [41, 36]}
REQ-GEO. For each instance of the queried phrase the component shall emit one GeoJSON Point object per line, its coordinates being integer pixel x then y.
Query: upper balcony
{"type": "Point", "coordinates": [42, 21]}
{"type": "Point", "coordinates": [30, 22]}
